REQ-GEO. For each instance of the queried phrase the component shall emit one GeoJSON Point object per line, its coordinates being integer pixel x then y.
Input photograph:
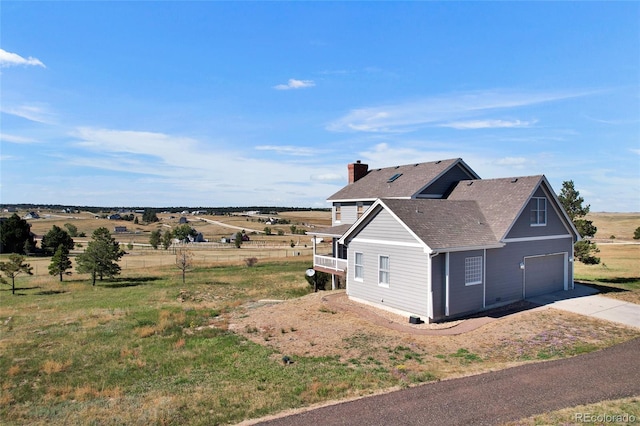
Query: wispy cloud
{"type": "Point", "coordinates": [289, 150]}
{"type": "Point", "coordinates": [439, 110]}
{"type": "Point", "coordinates": [36, 113]}
{"type": "Point", "coordinates": [487, 124]}
{"type": "Point", "coordinates": [295, 84]}
{"type": "Point", "coordinates": [9, 59]}
{"type": "Point", "coordinates": [4, 137]}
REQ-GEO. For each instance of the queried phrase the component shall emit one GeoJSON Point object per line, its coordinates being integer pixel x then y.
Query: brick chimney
{"type": "Point", "coordinates": [357, 171]}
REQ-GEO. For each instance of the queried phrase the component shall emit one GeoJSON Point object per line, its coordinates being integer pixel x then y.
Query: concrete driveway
{"type": "Point", "coordinates": [585, 300]}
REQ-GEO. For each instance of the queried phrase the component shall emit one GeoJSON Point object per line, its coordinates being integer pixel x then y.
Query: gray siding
{"type": "Point", "coordinates": [504, 276]}
{"type": "Point", "coordinates": [437, 285]}
{"type": "Point", "coordinates": [408, 263]}
{"type": "Point", "coordinates": [385, 227]}
{"type": "Point", "coordinates": [522, 226]}
{"type": "Point", "coordinates": [463, 298]}
{"type": "Point", "coordinates": [348, 211]}
{"type": "Point", "coordinates": [443, 184]}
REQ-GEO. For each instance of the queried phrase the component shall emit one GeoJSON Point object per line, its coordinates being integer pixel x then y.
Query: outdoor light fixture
{"type": "Point", "coordinates": [522, 265]}
{"type": "Point", "coordinates": [571, 259]}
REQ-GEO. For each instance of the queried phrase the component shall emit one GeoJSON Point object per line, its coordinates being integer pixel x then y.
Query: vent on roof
{"type": "Point", "coordinates": [439, 161]}
{"type": "Point", "coordinates": [394, 177]}
{"type": "Point", "coordinates": [514, 180]}
{"type": "Point", "coordinates": [397, 167]}
{"type": "Point", "coordinates": [470, 183]}
{"type": "Point", "coordinates": [416, 165]}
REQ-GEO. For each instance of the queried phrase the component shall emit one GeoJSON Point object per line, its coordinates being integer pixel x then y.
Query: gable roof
{"type": "Point", "coordinates": [444, 224]}
{"type": "Point", "coordinates": [476, 214]}
{"type": "Point", "coordinates": [397, 182]}
{"type": "Point", "coordinates": [501, 200]}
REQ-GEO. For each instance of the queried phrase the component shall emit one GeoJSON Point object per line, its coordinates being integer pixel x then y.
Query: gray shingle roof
{"type": "Point", "coordinates": [444, 224]}
{"type": "Point", "coordinates": [500, 200]}
{"type": "Point", "coordinates": [374, 184]}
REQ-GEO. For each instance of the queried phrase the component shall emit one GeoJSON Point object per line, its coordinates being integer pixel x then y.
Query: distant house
{"type": "Point", "coordinates": [183, 220]}
{"type": "Point", "coordinates": [120, 229]}
{"type": "Point", "coordinates": [10, 210]}
{"type": "Point", "coordinates": [114, 217]}
{"type": "Point", "coordinates": [31, 215]}
{"type": "Point", "coordinates": [435, 240]}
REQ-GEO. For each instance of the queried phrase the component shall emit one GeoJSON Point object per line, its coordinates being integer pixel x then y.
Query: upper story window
{"type": "Point", "coordinates": [338, 213]}
{"type": "Point", "coordinates": [360, 209]}
{"type": "Point", "coordinates": [538, 211]}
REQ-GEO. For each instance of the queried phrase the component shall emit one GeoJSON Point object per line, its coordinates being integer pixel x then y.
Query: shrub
{"type": "Point", "coordinates": [250, 261]}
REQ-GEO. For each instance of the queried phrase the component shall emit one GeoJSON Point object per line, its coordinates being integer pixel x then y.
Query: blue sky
{"type": "Point", "coordinates": [265, 103]}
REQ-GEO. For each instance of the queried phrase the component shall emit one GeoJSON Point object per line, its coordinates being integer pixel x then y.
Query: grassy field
{"type": "Point", "coordinates": [144, 348]}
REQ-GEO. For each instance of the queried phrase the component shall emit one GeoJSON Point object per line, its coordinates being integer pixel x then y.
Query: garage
{"type": "Point", "coordinates": [544, 274]}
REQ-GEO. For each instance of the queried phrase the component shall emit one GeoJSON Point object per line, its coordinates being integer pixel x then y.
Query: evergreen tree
{"type": "Point", "coordinates": [149, 216]}
{"type": "Point", "coordinates": [155, 238]}
{"type": "Point", "coordinates": [167, 239]}
{"type": "Point", "coordinates": [101, 256]}
{"type": "Point", "coordinates": [55, 238]}
{"type": "Point", "coordinates": [572, 203]}
{"type": "Point", "coordinates": [60, 262]}
{"type": "Point", "coordinates": [13, 267]}
{"type": "Point", "coordinates": [71, 229]}
{"type": "Point", "coordinates": [15, 233]}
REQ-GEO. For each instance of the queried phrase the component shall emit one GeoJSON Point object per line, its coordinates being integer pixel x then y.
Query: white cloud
{"type": "Point", "coordinates": [512, 161]}
{"type": "Point", "coordinates": [295, 84]}
{"type": "Point", "coordinates": [289, 150]}
{"type": "Point", "coordinates": [438, 110]}
{"type": "Point", "coordinates": [15, 139]}
{"type": "Point", "coordinates": [8, 59]}
{"type": "Point", "coordinates": [487, 124]}
{"type": "Point", "coordinates": [635, 151]}
{"type": "Point", "coordinates": [36, 113]}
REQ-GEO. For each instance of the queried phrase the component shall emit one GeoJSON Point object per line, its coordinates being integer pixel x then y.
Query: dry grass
{"type": "Point", "coordinates": [620, 411]}
{"type": "Point", "coordinates": [620, 225]}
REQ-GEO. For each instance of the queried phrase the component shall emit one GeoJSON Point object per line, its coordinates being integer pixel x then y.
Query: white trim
{"type": "Point", "coordinates": [388, 271]}
{"type": "Point", "coordinates": [484, 278]}
{"type": "Point", "coordinates": [387, 243]}
{"type": "Point", "coordinates": [481, 261]}
{"type": "Point", "coordinates": [541, 238]}
{"type": "Point", "coordinates": [538, 210]}
{"type": "Point", "coordinates": [355, 266]}
{"type": "Point", "coordinates": [471, 248]}
{"type": "Point", "coordinates": [446, 285]}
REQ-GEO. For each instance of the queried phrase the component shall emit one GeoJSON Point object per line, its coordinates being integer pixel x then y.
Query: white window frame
{"type": "Point", "coordinates": [473, 270]}
{"type": "Point", "coordinates": [384, 273]}
{"type": "Point", "coordinates": [358, 270]}
{"type": "Point", "coordinates": [536, 210]}
{"type": "Point", "coordinates": [338, 213]}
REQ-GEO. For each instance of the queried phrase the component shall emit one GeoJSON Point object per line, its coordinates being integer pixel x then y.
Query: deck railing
{"type": "Point", "coordinates": [330, 262]}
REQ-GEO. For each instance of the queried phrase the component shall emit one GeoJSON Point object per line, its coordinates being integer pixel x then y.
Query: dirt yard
{"type": "Point", "coordinates": [327, 324]}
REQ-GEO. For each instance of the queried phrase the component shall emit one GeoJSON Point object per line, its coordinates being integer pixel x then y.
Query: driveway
{"type": "Point", "coordinates": [584, 300]}
{"type": "Point", "coordinates": [491, 398]}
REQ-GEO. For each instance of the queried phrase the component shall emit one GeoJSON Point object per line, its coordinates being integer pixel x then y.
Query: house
{"type": "Point", "coordinates": [114, 217]}
{"type": "Point", "coordinates": [434, 240]}
{"type": "Point", "coordinates": [119, 229]}
{"type": "Point", "coordinates": [31, 215]}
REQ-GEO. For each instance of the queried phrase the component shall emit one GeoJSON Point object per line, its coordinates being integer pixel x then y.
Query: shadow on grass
{"type": "Point", "coordinates": [128, 282]}
{"type": "Point", "coordinates": [602, 287]}
{"type": "Point", "coordinates": [49, 292]}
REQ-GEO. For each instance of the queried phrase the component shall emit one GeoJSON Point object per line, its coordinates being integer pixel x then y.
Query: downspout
{"type": "Point", "coordinates": [446, 285]}
{"type": "Point", "coordinates": [430, 284]}
{"type": "Point", "coordinates": [337, 256]}
{"type": "Point", "coordinates": [484, 278]}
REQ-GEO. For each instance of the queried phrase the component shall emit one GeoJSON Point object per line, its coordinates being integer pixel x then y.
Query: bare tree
{"type": "Point", "coordinates": [184, 260]}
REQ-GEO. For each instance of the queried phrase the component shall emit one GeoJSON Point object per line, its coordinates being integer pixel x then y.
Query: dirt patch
{"type": "Point", "coordinates": [329, 324]}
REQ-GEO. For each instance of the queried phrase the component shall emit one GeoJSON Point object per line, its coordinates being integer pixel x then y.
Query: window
{"type": "Point", "coordinates": [359, 267]}
{"type": "Point", "coordinates": [473, 270]}
{"type": "Point", "coordinates": [538, 211]}
{"type": "Point", "coordinates": [338, 213]}
{"type": "Point", "coordinates": [383, 271]}
{"type": "Point", "coordinates": [360, 210]}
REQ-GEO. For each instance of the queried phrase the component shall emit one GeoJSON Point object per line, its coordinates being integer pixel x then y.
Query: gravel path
{"type": "Point", "coordinates": [493, 398]}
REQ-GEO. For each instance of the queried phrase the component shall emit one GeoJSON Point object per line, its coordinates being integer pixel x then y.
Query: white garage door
{"type": "Point", "coordinates": [544, 274]}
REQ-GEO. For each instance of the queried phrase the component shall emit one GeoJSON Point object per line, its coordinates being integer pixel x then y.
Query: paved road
{"type": "Point", "coordinates": [493, 398]}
